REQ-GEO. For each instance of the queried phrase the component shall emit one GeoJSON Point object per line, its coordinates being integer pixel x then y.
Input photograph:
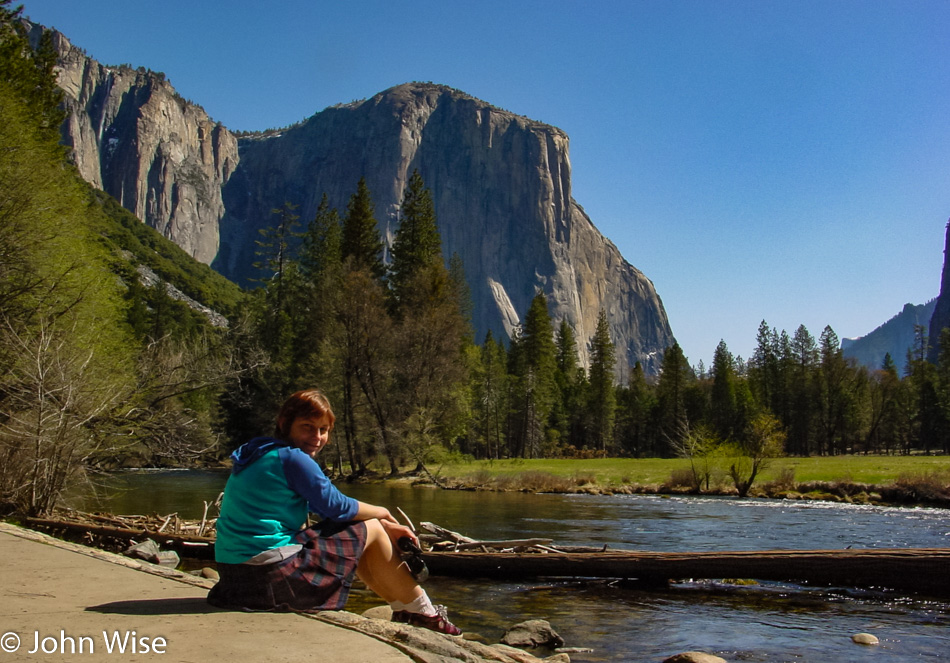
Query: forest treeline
{"type": "Point", "coordinates": [98, 369]}
{"type": "Point", "coordinates": [95, 367]}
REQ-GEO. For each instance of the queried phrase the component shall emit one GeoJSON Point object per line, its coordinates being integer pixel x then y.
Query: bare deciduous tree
{"type": "Point", "coordinates": [54, 398]}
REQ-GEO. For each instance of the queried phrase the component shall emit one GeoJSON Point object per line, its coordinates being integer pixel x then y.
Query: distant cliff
{"type": "Point", "coordinates": [941, 315]}
{"type": "Point", "coordinates": [501, 185]}
{"type": "Point", "coordinates": [896, 336]}
{"type": "Point", "coordinates": [134, 137]}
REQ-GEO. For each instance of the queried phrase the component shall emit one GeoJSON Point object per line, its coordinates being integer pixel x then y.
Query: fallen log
{"type": "Point", "coordinates": [923, 570]}
{"type": "Point", "coordinates": [199, 547]}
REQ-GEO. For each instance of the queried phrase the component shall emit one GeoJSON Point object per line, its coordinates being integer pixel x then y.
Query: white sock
{"type": "Point", "coordinates": [420, 604]}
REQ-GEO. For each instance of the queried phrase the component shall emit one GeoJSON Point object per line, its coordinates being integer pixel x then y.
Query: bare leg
{"type": "Point", "coordinates": [379, 567]}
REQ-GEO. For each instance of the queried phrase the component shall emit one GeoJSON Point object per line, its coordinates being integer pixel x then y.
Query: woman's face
{"type": "Point", "coordinates": [310, 434]}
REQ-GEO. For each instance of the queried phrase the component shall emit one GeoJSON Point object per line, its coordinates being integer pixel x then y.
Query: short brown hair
{"type": "Point", "coordinates": [306, 403]}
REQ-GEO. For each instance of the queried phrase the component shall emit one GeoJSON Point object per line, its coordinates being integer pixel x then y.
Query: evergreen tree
{"type": "Point", "coordinates": [490, 389]}
{"type": "Point", "coordinates": [274, 249]}
{"type": "Point", "coordinates": [364, 338]}
{"type": "Point", "coordinates": [430, 341]}
{"type": "Point", "coordinates": [603, 400]}
{"type": "Point", "coordinates": [672, 391]}
{"type": "Point", "coordinates": [833, 391]}
{"type": "Point", "coordinates": [636, 405]}
{"type": "Point", "coordinates": [569, 411]}
{"type": "Point", "coordinates": [417, 243]}
{"type": "Point", "coordinates": [764, 366]}
{"type": "Point", "coordinates": [462, 293]}
{"type": "Point", "coordinates": [321, 252]}
{"type": "Point", "coordinates": [30, 74]}
{"type": "Point", "coordinates": [927, 424]}
{"type": "Point", "coordinates": [362, 244]}
{"type": "Point", "coordinates": [321, 272]}
{"type": "Point", "coordinates": [723, 407]}
{"type": "Point", "coordinates": [801, 438]}
{"type": "Point", "coordinates": [884, 429]}
{"type": "Point", "coordinates": [533, 356]}
{"type": "Point", "coordinates": [943, 386]}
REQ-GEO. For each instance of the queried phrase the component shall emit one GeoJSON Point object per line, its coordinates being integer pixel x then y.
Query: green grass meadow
{"type": "Point", "coordinates": [606, 472]}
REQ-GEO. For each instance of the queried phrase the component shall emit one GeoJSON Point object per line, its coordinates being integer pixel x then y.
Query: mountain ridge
{"type": "Point", "coordinates": [501, 185]}
{"type": "Point", "coordinates": [894, 337]}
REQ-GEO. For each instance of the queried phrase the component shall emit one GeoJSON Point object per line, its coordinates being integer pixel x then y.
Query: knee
{"type": "Point", "coordinates": [375, 531]}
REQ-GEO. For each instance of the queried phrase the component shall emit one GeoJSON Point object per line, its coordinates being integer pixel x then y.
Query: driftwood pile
{"type": "Point", "coordinates": [159, 524]}
{"type": "Point", "coordinates": [439, 539]}
{"type": "Point", "coordinates": [188, 537]}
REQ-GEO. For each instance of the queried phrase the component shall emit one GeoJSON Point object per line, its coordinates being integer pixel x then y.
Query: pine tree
{"type": "Point", "coordinates": [533, 354]}
{"type": "Point", "coordinates": [603, 401]}
{"type": "Point", "coordinates": [462, 293]}
{"type": "Point", "coordinates": [362, 245]}
{"type": "Point", "coordinates": [723, 407]}
{"type": "Point", "coordinates": [763, 372]}
{"type": "Point", "coordinates": [322, 251]}
{"type": "Point", "coordinates": [417, 243]}
{"type": "Point", "coordinates": [30, 74]}
{"type": "Point", "coordinates": [928, 423]}
{"type": "Point", "coordinates": [636, 406]}
{"type": "Point", "coordinates": [274, 249]}
{"type": "Point", "coordinates": [672, 392]}
{"type": "Point", "coordinates": [801, 425]}
{"type": "Point", "coordinates": [570, 411]}
{"type": "Point", "coordinates": [834, 394]}
{"type": "Point", "coordinates": [490, 391]}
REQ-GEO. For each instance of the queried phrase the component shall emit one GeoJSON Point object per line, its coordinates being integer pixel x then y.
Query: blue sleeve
{"type": "Point", "coordinates": [305, 477]}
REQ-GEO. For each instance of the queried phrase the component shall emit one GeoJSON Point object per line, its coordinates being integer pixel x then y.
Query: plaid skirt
{"type": "Point", "coordinates": [318, 577]}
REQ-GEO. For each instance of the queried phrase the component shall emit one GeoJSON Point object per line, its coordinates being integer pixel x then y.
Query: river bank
{"type": "Point", "coordinates": [876, 480]}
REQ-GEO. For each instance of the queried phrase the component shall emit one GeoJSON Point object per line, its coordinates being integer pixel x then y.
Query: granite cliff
{"type": "Point", "coordinates": [159, 155]}
{"type": "Point", "coordinates": [895, 337]}
{"type": "Point", "coordinates": [941, 314]}
{"type": "Point", "coordinates": [501, 185]}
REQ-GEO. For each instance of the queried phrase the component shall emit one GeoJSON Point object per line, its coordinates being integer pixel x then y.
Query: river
{"type": "Point", "coordinates": [770, 622]}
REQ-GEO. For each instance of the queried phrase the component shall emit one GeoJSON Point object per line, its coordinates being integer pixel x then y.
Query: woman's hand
{"type": "Point", "coordinates": [397, 531]}
{"type": "Point", "coordinates": [393, 528]}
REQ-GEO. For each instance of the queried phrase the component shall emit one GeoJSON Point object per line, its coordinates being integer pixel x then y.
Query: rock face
{"type": "Point", "coordinates": [894, 337]}
{"type": "Point", "coordinates": [941, 314]}
{"type": "Point", "coordinates": [501, 186]}
{"type": "Point", "coordinates": [159, 155]}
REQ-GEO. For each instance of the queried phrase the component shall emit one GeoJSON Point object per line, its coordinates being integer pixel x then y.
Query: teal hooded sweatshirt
{"type": "Point", "coordinates": [272, 488]}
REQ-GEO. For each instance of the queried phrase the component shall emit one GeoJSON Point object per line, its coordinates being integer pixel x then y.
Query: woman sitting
{"type": "Point", "coordinates": [269, 560]}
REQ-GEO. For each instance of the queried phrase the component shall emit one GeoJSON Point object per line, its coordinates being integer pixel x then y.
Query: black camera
{"type": "Point", "coordinates": [411, 555]}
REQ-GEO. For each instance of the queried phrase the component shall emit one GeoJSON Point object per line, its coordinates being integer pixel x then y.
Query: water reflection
{"type": "Point", "coordinates": [770, 622]}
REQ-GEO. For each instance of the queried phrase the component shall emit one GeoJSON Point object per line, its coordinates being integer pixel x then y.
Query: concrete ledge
{"type": "Point", "coordinates": [64, 600]}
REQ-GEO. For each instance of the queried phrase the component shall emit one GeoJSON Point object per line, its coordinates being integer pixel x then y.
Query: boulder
{"type": "Point", "coordinates": [210, 574]}
{"type": "Point", "coordinates": [865, 639]}
{"type": "Point", "coordinates": [694, 657]}
{"type": "Point", "coordinates": [149, 551]}
{"type": "Point", "coordinates": [532, 633]}
{"type": "Point", "coordinates": [383, 612]}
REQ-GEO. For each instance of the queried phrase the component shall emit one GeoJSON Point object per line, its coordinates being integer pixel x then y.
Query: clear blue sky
{"type": "Point", "coordinates": [778, 160]}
